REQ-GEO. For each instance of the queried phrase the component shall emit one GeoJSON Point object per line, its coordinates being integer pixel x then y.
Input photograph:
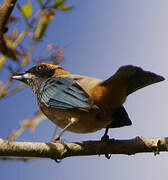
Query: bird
{"type": "Point", "coordinates": [82, 104]}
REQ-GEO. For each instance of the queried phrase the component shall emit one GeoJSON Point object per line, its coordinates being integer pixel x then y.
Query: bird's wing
{"type": "Point", "coordinates": [64, 93]}
{"type": "Point", "coordinates": [120, 118]}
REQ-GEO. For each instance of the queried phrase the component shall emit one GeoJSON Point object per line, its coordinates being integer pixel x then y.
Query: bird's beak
{"type": "Point", "coordinates": [22, 77]}
{"type": "Point", "coordinates": [19, 77]}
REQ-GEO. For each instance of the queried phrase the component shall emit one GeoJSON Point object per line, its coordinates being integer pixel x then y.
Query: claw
{"type": "Point", "coordinates": [57, 161]}
{"type": "Point", "coordinates": [57, 138]}
{"type": "Point", "coordinates": [108, 156]}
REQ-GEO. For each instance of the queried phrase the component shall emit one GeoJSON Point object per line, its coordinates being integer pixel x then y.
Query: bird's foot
{"type": "Point", "coordinates": [105, 138]}
{"type": "Point", "coordinates": [61, 141]}
{"type": "Point", "coordinates": [56, 138]}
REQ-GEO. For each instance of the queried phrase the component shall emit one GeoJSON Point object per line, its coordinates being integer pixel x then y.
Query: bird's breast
{"type": "Point", "coordinates": [85, 121]}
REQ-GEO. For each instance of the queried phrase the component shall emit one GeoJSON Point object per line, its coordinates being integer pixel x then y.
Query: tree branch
{"type": "Point", "coordinates": [60, 150]}
{"type": "Point", "coordinates": [5, 12]}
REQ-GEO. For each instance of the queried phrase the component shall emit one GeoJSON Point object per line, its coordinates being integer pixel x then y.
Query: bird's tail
{"type": "Point", "coordinates": [135, 77]}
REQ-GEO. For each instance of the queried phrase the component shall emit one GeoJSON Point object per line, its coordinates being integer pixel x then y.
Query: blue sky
{"type": "Point", "coordinates": [100, 36]}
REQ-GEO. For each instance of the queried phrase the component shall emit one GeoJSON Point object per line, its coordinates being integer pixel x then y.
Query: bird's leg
{"type": "Point", "coordinates": [56, 131]}
{"type": "Point", "coordinates": [105, 138]}
{"type": "Point", "coordinates": [57, 138]}
{"type": "Point", "coordinates": [72, 121]}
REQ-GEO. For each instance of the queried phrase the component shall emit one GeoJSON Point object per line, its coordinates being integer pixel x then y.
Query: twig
{"type": "Point", "coordinates": [5, 12]}
{"type": "Point", "coordinates": [60, 150]}
{"type": "Point", "coordinates": [5, 94]}
{"type": "Point", "coordinates": [30, 123]}
{"type": "Point", "coordinates": [24, 159]}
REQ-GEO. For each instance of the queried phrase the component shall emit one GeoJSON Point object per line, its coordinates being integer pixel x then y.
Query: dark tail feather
{"type": "Point", "coordinates": [137, 78]}
{"type": "Point", "coordinates": [120, 118]}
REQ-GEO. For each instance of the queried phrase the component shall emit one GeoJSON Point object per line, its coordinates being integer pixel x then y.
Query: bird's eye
{"type": "Point", "coordinates": [40, 68]}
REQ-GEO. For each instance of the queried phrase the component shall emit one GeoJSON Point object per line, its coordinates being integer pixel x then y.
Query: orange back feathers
{"type": "Point", "coordinates": [111, 95]}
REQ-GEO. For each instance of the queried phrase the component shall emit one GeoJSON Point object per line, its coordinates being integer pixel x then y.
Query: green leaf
{"type": "Point", "coordinates": [40, 1]}
{"type": "Point", "coordinates": [60, 4]}
{"type": "Point", "coordinates": [66, 8]}
{"type": "Point", "coordinates": [26, 10]}
{"type": "Point", "coordinates": [42, 26]}
{"type": "Point", "coordinates": [156, 151]}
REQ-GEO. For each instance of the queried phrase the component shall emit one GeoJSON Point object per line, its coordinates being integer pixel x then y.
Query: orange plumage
{"type": "Point", "coordinates": [111, 95]}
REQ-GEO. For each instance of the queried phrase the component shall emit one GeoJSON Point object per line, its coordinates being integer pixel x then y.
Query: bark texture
{"type": "Point", "coordinates": [61, 150]}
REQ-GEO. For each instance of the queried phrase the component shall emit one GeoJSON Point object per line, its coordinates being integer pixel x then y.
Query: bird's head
{"type": "Point", "coordinates": [39, 73]}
